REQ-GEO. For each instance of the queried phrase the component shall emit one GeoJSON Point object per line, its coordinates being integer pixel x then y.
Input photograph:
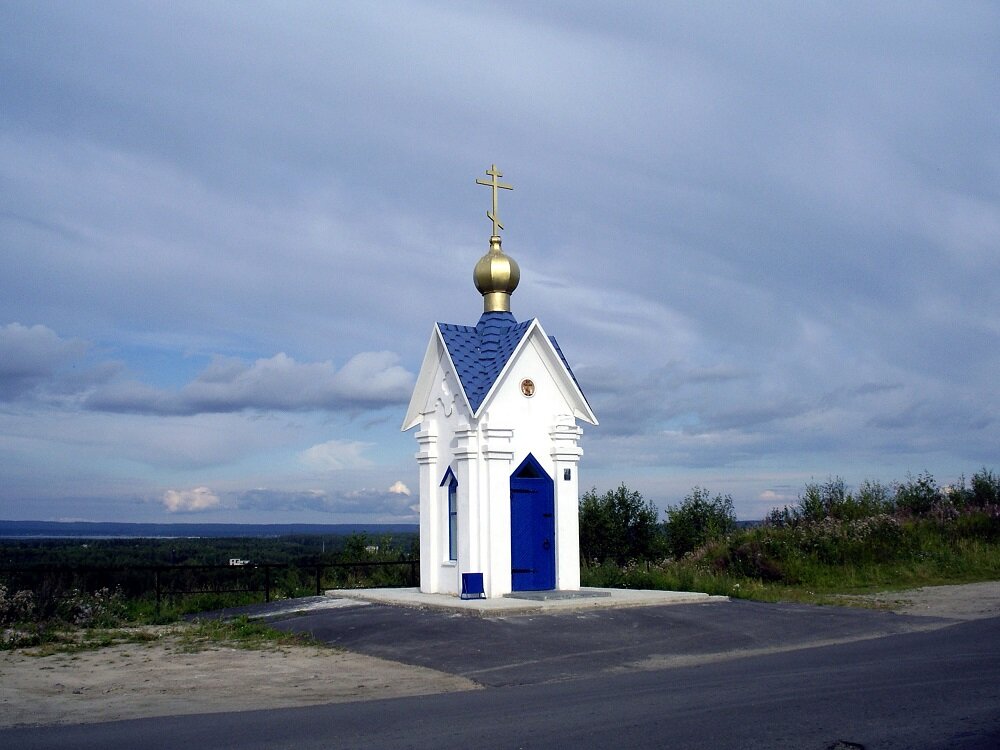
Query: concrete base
{"type": "Point", "coordinates": [551, 596]}
{"type": "Point", "coordinates": [585, 598]}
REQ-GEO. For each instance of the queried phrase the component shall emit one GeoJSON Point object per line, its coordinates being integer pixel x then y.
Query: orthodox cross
{"type": "Point", "coordinates": [492, 215]}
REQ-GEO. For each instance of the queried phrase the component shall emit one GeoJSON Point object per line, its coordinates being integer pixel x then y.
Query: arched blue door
{"type": "Point", "coordinates": [532, 528]}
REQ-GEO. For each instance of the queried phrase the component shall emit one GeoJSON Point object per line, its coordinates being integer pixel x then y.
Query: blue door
{"type": "Point", "coordinates": [532, 528]}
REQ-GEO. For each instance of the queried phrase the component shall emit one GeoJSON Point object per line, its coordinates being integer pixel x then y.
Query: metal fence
{"type": "Point", "coordinates": [179, 580]}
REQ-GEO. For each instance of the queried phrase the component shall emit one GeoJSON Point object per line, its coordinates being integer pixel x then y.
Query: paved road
{"type": "Point", "coordinates": [879, 684]}
{"type": "Point", "coordinates": [543, 648]}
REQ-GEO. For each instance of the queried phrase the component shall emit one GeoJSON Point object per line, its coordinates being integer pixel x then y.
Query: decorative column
{"type": "Point", "coordinates": [498, 453]}
{"type": "Point", "coordinates": [466, 467]}
{"type": "Point", "coordinates": [430, 515]}
{"type": "Point", "coordinates": [565, 437]}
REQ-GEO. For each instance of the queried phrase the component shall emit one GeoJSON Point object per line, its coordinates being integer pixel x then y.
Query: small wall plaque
{"type": "Point", "coordinates": [528, 387]}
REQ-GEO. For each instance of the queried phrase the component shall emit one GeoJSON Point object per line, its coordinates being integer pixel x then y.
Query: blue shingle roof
{"type": "Point", "coordinates": [569, 369]}
{"type": "Point", "coordinates": [481, 351]}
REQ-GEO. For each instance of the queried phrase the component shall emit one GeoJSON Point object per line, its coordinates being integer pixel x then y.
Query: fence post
{"type": "Point", "coordinates": [319, 573]}
{"type": "Point", "coordinates": [267, 583]}
{"type": "Point", "coordinates": [156, 579]}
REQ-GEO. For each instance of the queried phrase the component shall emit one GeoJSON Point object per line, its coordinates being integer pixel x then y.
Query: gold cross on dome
{"type": "Point", "coordinates": [492, 215]}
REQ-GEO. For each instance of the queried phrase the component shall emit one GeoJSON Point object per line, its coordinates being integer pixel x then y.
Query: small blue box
{"type": "Point", "coordinates": [472, 586]}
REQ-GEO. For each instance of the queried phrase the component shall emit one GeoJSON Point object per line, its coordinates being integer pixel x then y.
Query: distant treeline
{"type": "Point", "coordinates": [110, 529]}
{"type": "Point", "coordinates": [298, 549]}
{"type": "Point", "coordinates": [49, 584]}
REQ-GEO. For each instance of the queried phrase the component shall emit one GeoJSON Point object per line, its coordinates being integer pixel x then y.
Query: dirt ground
{"type": "Point", "coordinates": [968, 601]}
{"type": "Point", "coordinates": [141, 680]}
{"type": "Point", "coordinates": [158, 679]}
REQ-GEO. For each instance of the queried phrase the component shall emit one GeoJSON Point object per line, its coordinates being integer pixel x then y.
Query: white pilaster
{"type": "Point", "coordinates": [498, 453]}
{"type": "Point", "coordinates": [566, 453]}
{"type": "Point", "coordinates": [466, 466]}
{"type": "Point", "coordinates": [430, 507]}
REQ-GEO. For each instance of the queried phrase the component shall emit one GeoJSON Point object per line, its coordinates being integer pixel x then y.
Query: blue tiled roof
{"type": "Point", "coordinates": [569, 369]}
{"type": "Point", "coordinates": [481, 351]}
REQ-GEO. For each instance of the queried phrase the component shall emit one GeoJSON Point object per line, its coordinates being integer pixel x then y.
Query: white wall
{"type": "Point", "coordinates": [483, 453]}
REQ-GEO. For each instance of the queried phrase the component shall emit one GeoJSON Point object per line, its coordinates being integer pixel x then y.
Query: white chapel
{"type": "Point", "coordinates": [497, 408]}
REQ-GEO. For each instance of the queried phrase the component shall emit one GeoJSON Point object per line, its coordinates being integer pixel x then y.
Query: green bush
{"type": "Point", "coordinates": [699, 518]}
{"type": "Point", "coordinates": [918, 495]}
{"type": "Point", "coordinates": [17, 607]}
{"type": "Point", "coordinates": [834, 541]}
{"type": "Point", "coordinates": [985, 489]}
{"type": "Point", "coordinates": [102, 608]}
{"type": "Point", "coordinates": [749, 558]}
{"type": "Point", "coordinates": [618, 526]}
{"type": "Point", "coordinates": [832, 499]}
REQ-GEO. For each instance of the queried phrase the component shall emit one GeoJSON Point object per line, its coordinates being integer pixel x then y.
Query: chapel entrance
{"type": "Point", "coordinates": [532, 528]}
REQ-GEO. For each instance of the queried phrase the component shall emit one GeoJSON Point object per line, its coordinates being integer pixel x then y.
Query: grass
{"type": "Point", "coordinates": [80, 621]}
{"type": "Point", "coordinates": [822, 563]}
{"type": "Point", "coordinates": [90, 639]}
{"type": "Point", "coordinates": [189, 637]}
{"type": "Point", "coordinates": [240, 632]}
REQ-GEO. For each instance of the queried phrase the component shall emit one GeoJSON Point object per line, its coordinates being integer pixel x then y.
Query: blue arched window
{"type": "Point", "coordinates": [452, 482]}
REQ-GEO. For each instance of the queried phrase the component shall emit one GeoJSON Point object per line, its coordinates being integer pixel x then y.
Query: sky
{"type": "Point", "coordinates": [765, 235]}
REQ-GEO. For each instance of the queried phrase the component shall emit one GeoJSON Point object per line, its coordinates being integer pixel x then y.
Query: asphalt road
{"type": "Point", "coordinates": [752, 676]}
{"type": "Point", "coordinates": [521, 650]}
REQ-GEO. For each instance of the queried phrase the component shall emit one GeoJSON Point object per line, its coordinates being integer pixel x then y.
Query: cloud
{"type": "Point", "coordinates": [34, 363]}
{"type": "Point", "coordinates": [773, 498]}
{"type": "Point", "coordinates": [377, 502]}
{"type": "Point", "coordinates": [782, 259]}
{"type": "Point", "coordinates": [399, 488]}
{"type": "Point", "coordinates": [31, 356]}
{"type": "Point", "coordinates": [283, 500]}
{"type": "Point", "coordinates": [369, 380]}
{"type": "Point", "coordinates": [380, 504]}
{"type": "Point", "coordinates": [334, 455]}
{"type": "Point", "coordinates": [198, 500]}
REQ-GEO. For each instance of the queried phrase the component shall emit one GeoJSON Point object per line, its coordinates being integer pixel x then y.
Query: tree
{"type": "Point", "coordinates": [821, 501]}
{"type": "Point", "coordinates": [918, 495]}
{"type": "Point", "coordinates": [833, 500]}
{"type": "Point", "coordinates": [985, 488]}
{"type": "Point", "coordinates": [619, 526]}
{"type": "Point", "coordinates": [698, 519]}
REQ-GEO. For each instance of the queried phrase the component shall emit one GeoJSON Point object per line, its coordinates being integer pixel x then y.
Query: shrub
{"type": "Point", "coordinates": [918, 495]}
{"type": "Point", "coordinates": [833, 500]}
{"type": "Point", "coordinates": [820, 501]}
{"type": "Point", "coordinates": [618, 526]}
{"type": "Point", "coordinates": [103, 608]}
{"type": "Point", "coordinates": [872, 499]}
{"type": "Point", "coordinates": [985, 489]}
{"type": "Point", "coordinates": [698, 519]}
{"type": "Point", "coordinates": [16, 608]}
{"type": "Point", "coordinates": [749, 559]}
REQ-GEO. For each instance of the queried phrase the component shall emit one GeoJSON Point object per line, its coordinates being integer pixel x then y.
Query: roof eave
{"type": "Point", "coordinates": [435, 347]}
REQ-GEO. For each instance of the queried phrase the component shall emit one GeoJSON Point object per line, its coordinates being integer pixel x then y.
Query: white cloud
{"type": "Point", "coordinates": [776, 498]}
{"type": "Point", "coordinates": [399, 488]}
{"type": "Point", "coordinates": [368, 380]}
{"type": "Point", "coordinates": [190, 501]}
{"type": "Point", "coordinates": [335, 455]}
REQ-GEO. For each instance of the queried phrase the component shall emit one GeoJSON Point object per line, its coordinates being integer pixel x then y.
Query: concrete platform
{"type": "Point", "coordinates": [563, 601]}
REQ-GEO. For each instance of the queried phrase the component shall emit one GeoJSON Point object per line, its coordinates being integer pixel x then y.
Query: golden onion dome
{"type": "Point", "coordinates": [496, 276]}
